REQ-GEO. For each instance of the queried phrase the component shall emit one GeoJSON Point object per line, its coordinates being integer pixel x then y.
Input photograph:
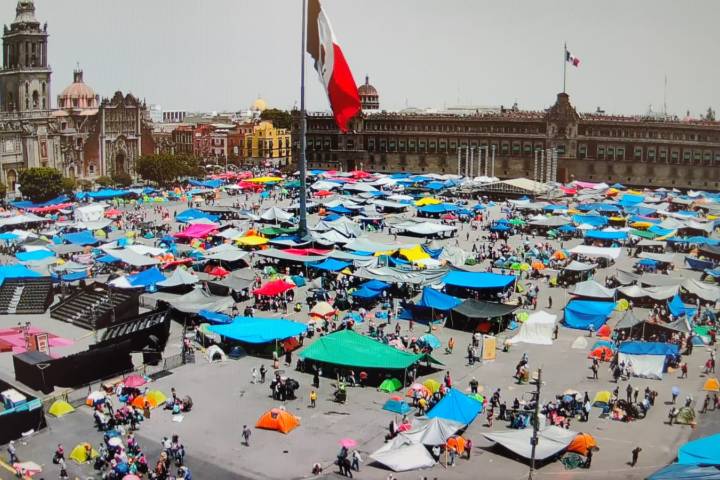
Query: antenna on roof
{"type": "Point", "coordinates": [665, 113]}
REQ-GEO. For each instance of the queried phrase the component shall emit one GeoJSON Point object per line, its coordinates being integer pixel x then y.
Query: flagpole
{"type": "Point", "coordinates": [302, 227]}
{"type": "Point", "coordinates": [564, 65]}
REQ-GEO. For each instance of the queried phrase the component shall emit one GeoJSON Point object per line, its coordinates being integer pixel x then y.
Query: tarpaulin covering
{"type": "Point", "coordinates": [331, 265]}
{"type": "Point", "coordinates": [206, 183]}
{"type": "Point", "coordinates": [273, 288]}
{"type": "Point", "coordinates": [105, 193]}
{"type": "Point", "coordinates": [34, 255]}
{"type": "Point", "coordinates": [215, 317]}
{"type": "Point", "coordinates": [478, 280]}
{"type": "Point", "coordinates": [456, 406]}
{"type": "Point", "coordinates": [592, 289]}
{"type": "Point", "coordinates": [648, 348]}
{"type": "Point", "coordinates": [431, 298]}
{"type": "Point", "coordinates": [25, 204]}
{"type": "Point", "coordinates": [399, 275]}
{"type": "Point", "coordinates": [146, 278]}
{"type": "Point", "coordinates": [423, 228]}
{"type": "Point", "coordinates": [594, 220]}
{"type": "Point", "coordinates": [80, 238]}
{"type": "Point", "coordinates": [196, 230]}
{"type": "Point", "coordinates": [439, 208]}
{"type": "Point", "coordinates": [432, 431]}
{"type": "Point", "coordinates": [647, 358]}
{"type": "Point", "coordinates": [472, 308]}
{"type": "Point", "coordinates": [551, 440]}
{"type": "Point", "coordinates": [581, 314]}
{"type": "Point", "coordinates": [198, 300]}
{"type": "Point", "coordinates": [366, 293]}
{"type": "Point", "coordinates": [194, 214]}
{"type": "Point", "coordinates": [259, 330]}
{"type": "Point", "coordinates": [348, 348]}
{"type": "Point", "coordinates": [590, 251]}
{"type": "Point", "coordinates": [676, 471]}
{"type": "Point", "coordinates": [131, 258]}
{"type": "Point", "coordinates": [678, 308]}
{"type": "Point", "coordinates": [179, 277]}
{"type": "Point", "coordinates": [403, 457]}
{"type": "Point", "coordinates": [603, 235]}
{"type": "Point", "coordinates": [703, 451]}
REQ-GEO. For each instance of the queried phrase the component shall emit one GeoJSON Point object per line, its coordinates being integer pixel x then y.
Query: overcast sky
{"type": "Point", "coordinates": [220, 54]}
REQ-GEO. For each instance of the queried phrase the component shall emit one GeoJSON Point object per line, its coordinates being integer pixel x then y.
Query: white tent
{"type": "Point", "coordinates": [551, 440]}
{"type": "Point", "coordinates": [432, 431]}
{"type": "Point", "coordinates": [179, 277]}
{"type": "Point", "coordinates": [536, 329]}
{"type": "Point", "coordinates": [592, 289]}
{"type": "Point", "coordinates": [424, 228]}
{"type": "Point", "coordinates": [275, 213]}
{"type": "Point", "coordinates": [90, 213]}
{"type": "Point", "coordinates": [580, 343]}
{"type": "Point", "coordinates": [401, 457]}
{"type": "Point", "coordinates": [215, 354]}
{"type": "Point", "coordinates": [590, 251]}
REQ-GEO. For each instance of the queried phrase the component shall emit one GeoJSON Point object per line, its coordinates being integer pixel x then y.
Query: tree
{"type": "Point", "coordinates": [41, 184]}
{"type": "Point", "coordinates": [68, 185]}
{"type": "Point", "coordinates": [104, 181]}
{"type": "Point", "coordinates": [84, 185]}
{"type": "Point", "coordinates": [164, 169]}
{"type": "Point", "coordinates": [279, 118]}
{"type": "Point", "coordinates": [123, 179]}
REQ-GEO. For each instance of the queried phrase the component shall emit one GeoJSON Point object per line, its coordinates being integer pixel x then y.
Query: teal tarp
{"type": "Point", "coordinates": [259, 330]}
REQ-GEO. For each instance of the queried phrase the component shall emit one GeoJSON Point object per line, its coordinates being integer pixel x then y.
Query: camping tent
{"type": "Point", "coordinates": [80, 453]}
{"type": "Point", "coordinates": [215, 353]}
{"type": "Point", "coordinates": [647, 358]}
{"type": "Point", "coordinates": [582, 443]}
{"type": "Point", "coordinates": [456, 406]}
{"type": "Point", "coordinates": [390, 385]}
{"type": "Point", "coordinates": [401, 456]}
{"type": "Point", "coordinates": [60, 408]}
{"type": "Point", "coordinates": [278, 419]}
{"type": "Point", "coordinates": [551, 441]}
{"type": "Point", "coordinates": [711, 385]}
{"type": "Point", "coordinates": [537, 329]}
{"type": "Point", "coordinates": [581, 314]}
{"type": "Point", "coordinates": [397, 406]}
{"type": "Point", "coordinates": [703, 451]}
{"type": "Point", "coordinates": [432, 431]}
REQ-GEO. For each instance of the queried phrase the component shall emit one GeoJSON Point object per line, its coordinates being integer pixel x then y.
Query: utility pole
{"type": "Point", "coordinates": [536, 425]}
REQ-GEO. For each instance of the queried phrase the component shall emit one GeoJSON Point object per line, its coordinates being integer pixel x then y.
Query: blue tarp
{"type": "Point", "coordinates": [661, 232]}
{"type": "Point", "coordinates": [259, 330]}
{"type": "Point", "coordinates": [478, 280]}
{"type": "Point", "coordinates": [194, 214]}
{"type": "Point", "coordinates": [554, 208]}
{"type": "Point", "coordinates": [439, 208]}
{"type": "Point", "coordinates": [340, 209]}
{"type": "Point", "coordinates": [715, 272]}
{"type": "Point", "coordinates": [647, 262]}
{"type": "Point", "coordinates": [437, 300]}
{"type": "Point", "coordinates": [85, 237]}
{"type": "Point", "coordinates": [629, 199]}
{"type": "Point", "coordinates": [567, 228]}
{"type": "Point", "coordinates": [16, 271]}
{"type": "Point", "coordinates": [594, 220]}
{"type": "Point", "coordinates": [377, 285]}
{"type": "Point", "coordinates": [215, 317]}
{"type": "Point", "coordinates": [396, 406]}
{"type": "Point", "coordinates": [676, 471]}
{"type": "Point", "coordinates": [456, 406]}
{"type": "Point", "coordinates": [500, 227]}
{"type": "Point", "coordinates": [70, 277]}
{"type": "Point", "coordinates": [678, 308]}
{"type": "Point", "coordinates": [104, 194]}
{"type": "Point", "coordinates": [648, 348]}
{"type": "Point", "coordinates": [34, 255]}
{"type": "Point", "coordinates": [581, 314]}
{"type": "Point", "coordinates": [598, 207]}
{"type": "Point", "coordinates": [148, 277]}
{"type": "Point", "coordinates": [639, 218]}
{"type": "Point", "coordinates": [703, 451]}
{"type": "Point", "coordinates": [25, 204]}
{"type": "Point", "coordinates": [640, 210]}
{"type": "Point", "coordinates": [330, 265]}
{"type": "Point", "coordinates": [600, 235]}
{"type": "Point", "coordinates": [206, 183]}
{"type": "Point", "coordinates": [8, 236]}
{"type": "Point", "coordinates": [108, 259]}
{"type": "Point", "coordinates": [365, 293]}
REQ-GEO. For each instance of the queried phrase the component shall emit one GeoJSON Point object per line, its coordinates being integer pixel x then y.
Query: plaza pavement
{"type": "Point", "coordinates": [225, 400]}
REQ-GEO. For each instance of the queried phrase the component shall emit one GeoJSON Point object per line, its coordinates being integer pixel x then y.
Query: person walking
{"type": "Point", "coordinates": [594, 369]}
{"type": "Point", "coordinates": [12, 453]}
{"type": "Point", "coordinates": [683, 370]}
{"type": "Point", "coordinates": [549, 302]}
{"type": "Point", "coordinates": [629, 391]}
{"type": "Point", "coordinates": [254, 375]}
{"type": "Point", "coordinates": [313, 398]}
{"type": "Point", "coordinates": [263, 373]}
{"type": "Point", "coordinates": [635, 454]}
{"type": "Point", "coordinates": [556, 329]}
{"type": "Point", "coordinates": [356, 460]}
{"type": "Point", "coordinates": [246, 432]}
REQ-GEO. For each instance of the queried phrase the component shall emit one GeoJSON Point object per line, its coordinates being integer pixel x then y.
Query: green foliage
{"type": "Point", "coordinates": [68, 185]}
{"type": "Point", "coordinates": [122, 179]}
{"type": "Point", "coordinates": [104, 181]}
{"type": "Point", "coordinates": [164, 169]}
{"type": "Point", "coordinates": [279, 118]}
{"type": "Point", "coordinates": [41, 184]}
{"type": "Point", "coordinates": [85, 185]}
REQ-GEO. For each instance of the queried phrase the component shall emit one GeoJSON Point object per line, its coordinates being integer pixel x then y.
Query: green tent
{"type": "Point", "coordinates": [275, 231]}
{"type": "Point", "coordinates": [643, 234]}
{"type": "Point", "coordinates": [350, 349]}
{"type": "Point", "coordinates": [390, 385]}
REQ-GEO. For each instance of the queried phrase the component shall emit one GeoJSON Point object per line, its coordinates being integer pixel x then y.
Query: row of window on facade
{"type": "Point", "coordinates": [652, 155]}
{"type": "Point", "coordinates": [426, 146]}
{"type": "Point", "coordinates": [652, 134]}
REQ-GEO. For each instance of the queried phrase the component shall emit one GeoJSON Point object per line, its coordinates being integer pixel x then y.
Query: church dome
{"type": "Point", "coordinates": [367, 89]}
{"type": "Point", "coordinates": [259, 105]}
{"type": "Point", "coordinates": [369, 98]}
{"type": "Point", "coordinates": [78, 94]}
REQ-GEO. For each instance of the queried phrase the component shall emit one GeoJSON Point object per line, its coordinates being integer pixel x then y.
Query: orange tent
{"type": "Point", "coordinates": [582, 443]}
{"type": "Point", "coordinates": [278, 419]}
{"type": "Point", "coordinates": [604, 354]}
{"type": "Point", "coordinates": [139, 402]}
{"type": "Point", "coordinates": [604, 331]}
{"type": "Point", "coordinates": [711, 385]}
{"type": "Point", "coordinates": [458, 443]}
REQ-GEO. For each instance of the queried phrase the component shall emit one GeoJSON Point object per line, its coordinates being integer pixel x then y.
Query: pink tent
{"type": "Point", "coordinates": [197, 230]}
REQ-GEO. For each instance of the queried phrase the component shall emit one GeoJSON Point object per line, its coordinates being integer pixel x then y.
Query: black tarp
{"type": "Point", "coordinates": [711, 251]}
{"type": "Point", "coordinates": [476, 315]}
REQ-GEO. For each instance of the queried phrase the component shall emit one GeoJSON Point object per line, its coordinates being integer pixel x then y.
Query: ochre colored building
{"type": "Point", "coordinates": [268, 145]}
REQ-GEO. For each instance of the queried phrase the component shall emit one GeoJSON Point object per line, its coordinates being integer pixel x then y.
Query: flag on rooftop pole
{"type": "Point", "coordinates": [571, 59]}
{"type": "Point", "coordinates": [331, 65]}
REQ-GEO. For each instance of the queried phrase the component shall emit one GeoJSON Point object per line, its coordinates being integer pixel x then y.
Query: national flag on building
{"type": "Point", "coordinates": [571, 59]}
{"type": "Point", "coordinates": [331, 65]}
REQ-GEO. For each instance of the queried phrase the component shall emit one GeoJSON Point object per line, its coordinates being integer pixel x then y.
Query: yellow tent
{"type": "Point", "coordinates": [622, 305]}
{"type": "Point", "coordinates": [80, 453]}
{"type": "Point", "coordinates": [414, 254]}
{"type": "Point", "coordinates": [602, 397]}
{"type": "Point", "coordinates": [156, 396]}
{"type": "Point", "coordinates": [265, 179]}
{"type": "Point", "coordinates": [641, 225]}
{"type": "Point", "coordinates": [252, 241]}
{"type": "Point", "coordinates": [60, 408]}
{"type": "Point", "coordinates": [384, 252]}
{"type": "Point", "coordinates": [427, 201]}
{"type": "Point", "coordinates": [432, 385]}
{"type": "Point", "coordinates": [711, 385]}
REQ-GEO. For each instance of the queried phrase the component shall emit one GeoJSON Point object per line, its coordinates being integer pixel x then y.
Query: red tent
{"type": "Point", "coordinates": [604, 331]}
{"type": "Point", "coordinates": [273, 288]}
{"type": "Point", "coordinates": [307, 251]}
{"type": "Point", "coordinates": [323, 193]}
{"type": "Point", "coordinates": [113, 212]}
{"type": "Point", "coordinates": [196, 230]}
{"type": "Point", "coordinates": [360, 174]}
{"type": "Point", "coordinates": [218, 272]}
{"type": "Point", "coordinates": [604, 354]}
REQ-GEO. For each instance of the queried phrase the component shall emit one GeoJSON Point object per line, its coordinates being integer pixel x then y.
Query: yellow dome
{"type": "Point", "coordinates": [259, 104]}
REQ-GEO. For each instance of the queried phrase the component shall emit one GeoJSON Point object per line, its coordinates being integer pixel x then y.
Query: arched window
{"type": "Point", "coordinates": [43, 88]}
{"type": "Point", "coordinates": [36, 99]}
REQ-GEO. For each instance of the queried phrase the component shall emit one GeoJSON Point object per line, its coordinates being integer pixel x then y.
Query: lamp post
{"type": "Point", "coordinates": [536, 425]}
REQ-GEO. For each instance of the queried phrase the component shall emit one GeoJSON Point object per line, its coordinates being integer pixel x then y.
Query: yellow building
{"type": "Point", "coordinates": [268, 144]}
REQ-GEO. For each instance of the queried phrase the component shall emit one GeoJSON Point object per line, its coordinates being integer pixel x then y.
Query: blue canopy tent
{"type": "Point", "coordinates": [648, 262]}
{"type": "Point", "coordinates": [479, 280]}
{"type": "Point", "coordinates": [34, 255]}
{"type": "Point", "coordinates": [215, 317]}
{"type": "Point", "coordinates": [84, 237]}
{"type": "Point", "coordinates": [703, 451]}
{"type": "Point", "coordinates": [8, 236]}
{"type": "Point", "coordinates": [330, 265]}
{"type": "Point", "coordinates": [397, 406]}
{"type": "Point", "coordinates": [675, 471]}
{"type": "Point", "coordinates": [365, 293]}
{"type": "Point", "coordinates": [25, 204]}
{"type": "Point", "coordinates": [678, 308]}
{"type": "Point", "coordinates": [69, 277]}
{"type": "Point", "coordinates": [457, 406]}
{"type": "Point", "coordinates": [194, 214]}
{"type": "Point", "coordinates": [439, 208]}
{"type": "Point", "coordinates": [649, 359]}
{"type": "Point", "coordinates": [378, 285]}
{"type": "Point", "coordinates": [146, 278]}
{"type": "Point", "coordinates": [567, 229]}
{"type": "Point", "coordinates": [108, 259]}
{"type": "Point", "coordinates": [340, 210]}
{"type": "Point", "coordinates": [659, 231]}
{"type": "Point", "coordinates": [598, 207]}
{"type": "Point", "coordinates": [500, 227]}
{"type": "Point", "coordinates": [206, 183]}
{"type": "Point", "coordinates": [104, 194]}
{"type": "Point", "coordinates": [259, 330]}
{"type": "Point", "coordinates": [600, 235]}
{"type": "Point", "coordinates": [628, 199]}
{"type": "Point", "coordinates": [593, 220]}
{"type": "Point", "coordinates": [16, 271]}
{"type": "Point", "coordinates": [581, 314]}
